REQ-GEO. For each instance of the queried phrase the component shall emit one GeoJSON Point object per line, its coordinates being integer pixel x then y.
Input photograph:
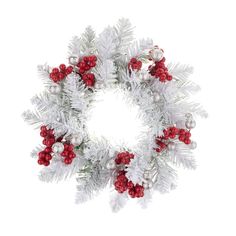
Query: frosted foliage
{"type": "Point", "coordinates": [126, 110]}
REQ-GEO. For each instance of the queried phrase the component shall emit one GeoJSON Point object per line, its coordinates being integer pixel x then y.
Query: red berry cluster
{"type": "Point", "coordinates": [68, 153]}
{"type": "Point", "coordinates": [170, 133]}
{"type": "Point", "coordinates": [135, 64]}
{"type": "Point", "coordinates": [122, 184]}
{"type": "Point", "coordinates": [60, 73]}
{"type": "Point", "coordinates": [86, 64]}
{"type": "Point", "coordinates": [89, 79]}
{"type": "Point", "coordinates": [124, 158]}
{"type": "Point", "coordinates": [49, 139]}
{"type": "Point", "coordinates": [159, 70]}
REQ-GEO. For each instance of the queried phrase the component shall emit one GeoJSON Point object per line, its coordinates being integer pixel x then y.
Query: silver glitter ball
{"type": "Point", "coordinates": [110, 165]}
{"type": "Point", "coordinates": [190, 124]}
{"type": "Point", "coordinates": [76, 140]}
{"type": "Point", "coordinates": [73, 60]}
{"type": "Point", "coordinates": [193, 145]}
{"type": "Point", "coordinates": [143, 75]}
{"type": "Point", "coordinates": [147, 174]}
{"type": "Point", "coordinates": [58, 147]}
{"type": "Point", "coordinates": [171, 146]}
{"type": "Point", "coordinates": [148, 184]}
{"type": "Point", "coordinates": [55, 89]}
{"type": "Point", "coordinates": [157, 54]}
{"type": "Point", "coordinates": [99, 85]}
{"type": "Point", "coordinates": [156, 97]}
{"type": "Point", "coordinates": [189, 116]}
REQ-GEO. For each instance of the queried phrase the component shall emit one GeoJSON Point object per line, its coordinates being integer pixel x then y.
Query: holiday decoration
{"type": "Point", "coordinates": [113, 60]}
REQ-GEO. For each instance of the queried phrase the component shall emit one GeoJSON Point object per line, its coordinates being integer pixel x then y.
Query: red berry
{"type": "Point", "coordinates": [61, 76]}
{"type": "Point", "coordinates": [187, 141]}
{"type": "Point", "coordinates": [43, 128]}
{"type": "Point", "coordinates": [46, 163]}
{"type": "Point", "coordinates": [187, 134]}
{"type": "Point", "coordinates": [86, 59]}
{"type": "Point", "coordinates": [81, 64]}
{"type": "Point", "coordinates": [48, 157]}
{"type": "Point", "coordinates": [43, 134]}
{"type": "Point", "coordinates": [133, 60]}
{"type": "Point", "coordinates": [182, 132]}
{"type": "Point", "coordinates": [48, 143]}
{"type": "Point", "coordinates": [172, 135]}
{"type": "Point", "coordinates": [70, 147]}
{"type": "Point", "coordinates": [62, 67]}
{"type": "Point", "coordinates": [50, 132]}
{"type": "Point", "coordinates": [65, 153]}
{"type": "Point", "coordinates": [41, 154]}
{"type": "Point", "coordinates": [40, 161]}
{"type": "Point", "coordinates": [69, 69]}
{"type": "Point", "coordinates": [169, 77]}
{"type": "Point", "coordinates": [48, 150]}
{"type": "Point", "coordinates": [182, 138]}
{"type": "Point", "coordinates": [71, 155]}
{"type": "Point", "coordinates": [94, 58]}
{"type": "Point", "coordinates": [130, 185]}
{"type": "Point", "coordinates": [67, 160]}
{"type": "Point", "coordinates": [132, 193]}
{"type": "Point", "coordinates": [89, 83]}
{"type": "Point", "coordinates": [55, 70]}
{"type": "Point", "coordinates": [162, 77]}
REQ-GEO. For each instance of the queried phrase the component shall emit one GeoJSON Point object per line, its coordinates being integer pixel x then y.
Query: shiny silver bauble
{"type": "Point", "coordinates": [58, 147]}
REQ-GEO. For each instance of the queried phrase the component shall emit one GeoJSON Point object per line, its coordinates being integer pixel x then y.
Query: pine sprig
{"type": "Point", "coordinates": [124, 35]}
{"type": "Point", "coordinates": [74, 47]}
{"type": "Point", "coordinates": [88, 41]}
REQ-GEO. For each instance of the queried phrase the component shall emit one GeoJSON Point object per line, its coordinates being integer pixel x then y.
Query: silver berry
{"type": "Point", "coordinates": [76, 140]}
{"type": "Point", "coordinates": [157, 54]}
{"type": "Point", "coordinates": [193, 145]}
{"type": "Point", "coordinates": [156, 97]}
{"type": "Point", "coordinates": [99, 85]}
{"type": "Point", "coordinates": [110, 165]}
{"type": "Point", "coordinates": [58, 147]}
{"type": "Point", "coordinates": [148, 184]}
{"type": "Point", "coordinates": [190, 124]}
{"type": "Point", "coordinates": [189, 116]}
{"type": "Point", "coordinates": [143, 75]}
{"type": "Point", "coordinates": [171, 146]}
{"type": "Point", "coordinates": [55, 89]}
{"type": "Point", "coordinates": [73, 60]}
{"type": "Point", "coordinates": [147, 174]}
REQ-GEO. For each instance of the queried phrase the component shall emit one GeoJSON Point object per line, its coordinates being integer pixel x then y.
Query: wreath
{"type": "Point", "coordinates": [114, 61]}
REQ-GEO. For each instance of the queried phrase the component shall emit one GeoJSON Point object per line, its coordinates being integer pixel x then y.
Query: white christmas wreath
{"type": "Point", "coordinates": [114, 62]}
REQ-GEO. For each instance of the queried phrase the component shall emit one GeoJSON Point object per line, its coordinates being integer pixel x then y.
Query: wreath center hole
{"type": "Point", "coordinates": [115, 117]}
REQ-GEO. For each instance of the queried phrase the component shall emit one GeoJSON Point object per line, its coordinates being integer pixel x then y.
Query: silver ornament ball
{"type": "Point", "coordinates": [190, 124]}
{"type": "Point", "coordinates": [148, 184]}
{"type": "Point", "coordinates": [55, 89]}
{"type": "Point", "coordinates": [76, 140]}
{"type": "Point", "coordinates": [189, 116]}
{"type": "Point", "coordinates": [143, 75]}
{"type": "Point", "coordinates": [157, 54]}
{"type": "Point", "coordinates": [110, 165]}
{"type": "Point", "coordinates": [156, 97]}
{"type": "Point", "coordinates": [73, 60]}
{"type": "Point", "coordinates": [171, 146]}
{"type": "Point", "coordinates": [58, 147]}
{"type": "Point", "coordinates": [193, 145]}
{"type": "Point", "coordinates": [147, 174]}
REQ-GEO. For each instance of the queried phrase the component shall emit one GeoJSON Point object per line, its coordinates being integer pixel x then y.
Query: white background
{"type": "Point", "coordinates": [200, 33]}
